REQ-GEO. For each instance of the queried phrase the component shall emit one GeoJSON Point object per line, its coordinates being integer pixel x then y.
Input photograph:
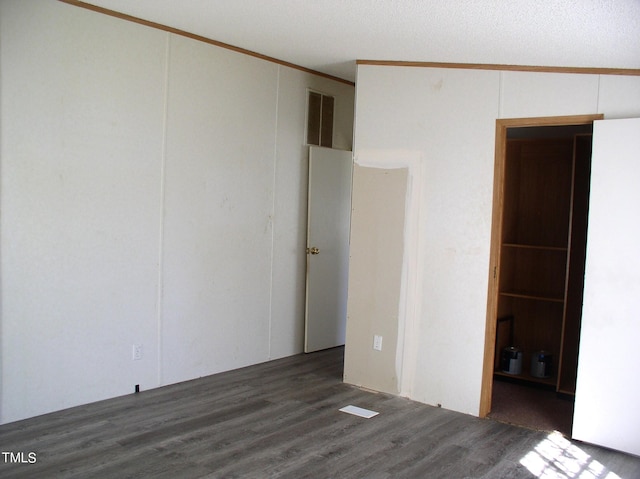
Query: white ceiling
{"type": "Point", "coordinates": [329, 35]}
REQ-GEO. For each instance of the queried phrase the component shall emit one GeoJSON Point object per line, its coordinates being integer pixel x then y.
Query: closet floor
{"type": "Point", "coordinates": [531, 407]}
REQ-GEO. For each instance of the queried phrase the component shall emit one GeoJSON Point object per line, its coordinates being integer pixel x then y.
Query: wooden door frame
{"type": "Point", "coordinates": [502, 125]}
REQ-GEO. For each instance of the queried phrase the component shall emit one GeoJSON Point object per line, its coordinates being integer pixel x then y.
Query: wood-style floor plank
{"type": "Point", "coordinates": [280, 420]}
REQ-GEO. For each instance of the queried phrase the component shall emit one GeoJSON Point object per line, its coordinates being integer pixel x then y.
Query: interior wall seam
{"type": "Point", "coordinates": [273, 211]}
{"type": "Point", "coordinates": [163, 161]}
{"type": "Point", "coordinates": [598, 94]}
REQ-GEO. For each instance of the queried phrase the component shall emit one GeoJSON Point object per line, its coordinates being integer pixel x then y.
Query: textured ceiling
{"type": "Point", "coordinates": [329, 35]}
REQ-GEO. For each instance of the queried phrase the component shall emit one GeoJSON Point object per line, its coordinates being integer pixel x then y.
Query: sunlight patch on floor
{"type": "Point", "coordinates": [557, 458]}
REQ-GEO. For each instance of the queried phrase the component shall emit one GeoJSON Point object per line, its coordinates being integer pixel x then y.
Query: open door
{"type": "Point", "coordinates": [329, 212]}
{"type": "Point", "coordinates": [608, 390]}
{"type": "Point", "coordinates": [537, 252]}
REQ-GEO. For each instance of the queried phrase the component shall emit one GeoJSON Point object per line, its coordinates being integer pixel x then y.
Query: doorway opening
{"type": "Point", "coordinates": [538, 246]}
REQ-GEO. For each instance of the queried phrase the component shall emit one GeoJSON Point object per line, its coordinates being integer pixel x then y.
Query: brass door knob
{"type": "Point", "coordinates": [313, 250]}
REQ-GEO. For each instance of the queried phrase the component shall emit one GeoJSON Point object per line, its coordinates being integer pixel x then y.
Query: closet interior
{"type": "Point", "coordinates": [542, 255]}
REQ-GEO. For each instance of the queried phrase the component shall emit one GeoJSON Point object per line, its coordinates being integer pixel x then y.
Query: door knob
{"type": "Point", "coordinates": [313, 250]}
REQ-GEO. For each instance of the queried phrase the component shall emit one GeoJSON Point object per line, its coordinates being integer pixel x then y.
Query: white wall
{"type": "Point", "coordinates": [440, 123]}
{"type": "Point", "coordinates": [153, 192]}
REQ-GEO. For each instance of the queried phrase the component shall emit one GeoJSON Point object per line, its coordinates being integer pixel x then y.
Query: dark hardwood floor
{"type": "Point", "coordinates": [281, 419]}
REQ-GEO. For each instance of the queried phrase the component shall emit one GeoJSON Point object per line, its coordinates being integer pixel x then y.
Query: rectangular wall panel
{"type": "Point", "coordinates": [82, 109]}
{"type": "Point", "coordinates": [532, 94]}
{"type": "Point", "coordinates": [218, 210]}
{"type": "Point", "coordinates": [375, 269]}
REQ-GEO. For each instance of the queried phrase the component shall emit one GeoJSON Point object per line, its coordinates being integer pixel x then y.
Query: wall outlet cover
{"type": "Point", "coordinates": [137, 352]}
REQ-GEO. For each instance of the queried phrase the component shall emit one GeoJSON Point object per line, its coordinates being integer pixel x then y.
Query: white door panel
{"type": "Point", "coordinates": [328, 232]}
{"type": "Point", "coordinates": [607, 406]}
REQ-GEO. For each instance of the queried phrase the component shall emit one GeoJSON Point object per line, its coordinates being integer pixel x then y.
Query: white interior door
{"type": "Point", "coordinates": [327, 247]}
{"type": "Point", "coordinates": [607, 406]}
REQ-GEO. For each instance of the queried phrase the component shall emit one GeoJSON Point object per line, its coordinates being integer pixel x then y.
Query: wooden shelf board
{"type": "Point", "coordinates": [567, 392]}
{"type": "Point", "coordinates": [535, 247]}
{"type": "Point", "coordinates": [526, 377]}
{"type": "Point", "coordinates": [531, 296]}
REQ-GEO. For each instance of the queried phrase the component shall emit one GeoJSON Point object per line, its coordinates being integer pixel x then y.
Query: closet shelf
{"type": "Point", "coordinates": [535, 247]}
{"type": "Point", "coordinates": [531, 296]}
{"type": "Point", "coordinates": [525, 376]}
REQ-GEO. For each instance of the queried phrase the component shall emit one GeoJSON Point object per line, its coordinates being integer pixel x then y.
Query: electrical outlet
{"type": "Point", "coordinates": [377, 342]}
{"type": "Point", "coordinates": [137, 352]}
